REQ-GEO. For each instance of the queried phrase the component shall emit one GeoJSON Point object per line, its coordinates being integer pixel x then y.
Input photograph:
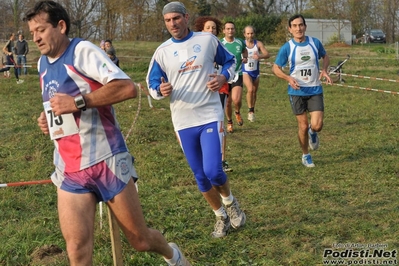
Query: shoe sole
{"type": "Point", "coordinates": [313, 146]}
{"type": "Point", "coordinates": [308, 165]}
{"type": "Point", "coordinates": [219, 236]}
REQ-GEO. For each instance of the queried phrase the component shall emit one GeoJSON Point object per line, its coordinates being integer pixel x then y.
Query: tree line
{"type": "Point", "coordinates": [141, 20]}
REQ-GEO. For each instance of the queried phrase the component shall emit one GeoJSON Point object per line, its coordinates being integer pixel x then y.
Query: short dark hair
{"type": "Point", "coordinates": [55, 11]}
{"type": "Point", "coordinates": [231, 22]}
{"type": "Point", "coordinates": [295, 17]}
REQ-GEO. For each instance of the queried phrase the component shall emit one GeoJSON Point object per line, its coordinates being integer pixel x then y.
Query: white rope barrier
{"type": "Point", "coordinates": [350, 86]}
{"type": "Point", "coordinates": [17, 66]}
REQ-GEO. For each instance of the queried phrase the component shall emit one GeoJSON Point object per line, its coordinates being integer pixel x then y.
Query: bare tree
{"type": "Point", "coordinates": [12, 11]}
{"type": "Point", "coordinates": [7, 24]}
{"type": "Point", "coordinates": [390, 10]}
{"type": "Point", "coordinates": [262, 7]}
{"type": "Point", "coordinates": [82, 16]}
{"type": "Point", "coordinates": [298, 6]}
{"type": "Point", "coordinates": [358, 15]}
{"type": "Point", "coordinates": [337, 10]}
{"type": "Point", "coordinates": [142, 19]}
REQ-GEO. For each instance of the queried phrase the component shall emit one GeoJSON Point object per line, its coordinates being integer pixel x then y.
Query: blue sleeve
{"type": "Point", "coordinates": [320, 47]}
{"type": "Point", "coordinates": [282, 55]}
{"type": "Point", "coordinates": [227, 60]}
{"type": "Point", "coordinates": [154, 75]}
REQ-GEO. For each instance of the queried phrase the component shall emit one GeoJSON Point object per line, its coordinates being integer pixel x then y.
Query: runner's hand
{"type": "Point", "coordinates": [42, 123]}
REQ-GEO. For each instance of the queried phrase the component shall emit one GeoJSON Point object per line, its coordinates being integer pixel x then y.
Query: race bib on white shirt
{"type": "Point", "coordinates": [59, 126]}
{"type": "Point", "coordinates": [305, 74]}
{"type": "Point", "coordinates": [251, 65]}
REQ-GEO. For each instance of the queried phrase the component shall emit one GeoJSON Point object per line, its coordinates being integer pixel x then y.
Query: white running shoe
{"type": "Point", "coordinates": [20, 81]}
{"type": "Point", "coordinates": [237, 216]}
{"type": "Point", "coordinates": [251, 117]}
{"type": "Point", "coordinates": [222, 226]}
{"type": "Point", "coordinates": [307, 161]}
{"type": "Point", "coordinates": [182, 261]}
{"type": "Point", "coordinates": [313, 140]}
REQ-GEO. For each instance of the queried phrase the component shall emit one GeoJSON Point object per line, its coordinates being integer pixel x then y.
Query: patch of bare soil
{"type": "Point", "coordinates": [48, 255]}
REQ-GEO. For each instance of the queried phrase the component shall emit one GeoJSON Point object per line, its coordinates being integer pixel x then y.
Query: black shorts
{"type": "Point", "coordinates": [301, 104]}
{"type": "Point", "coordinates": [237, 83]}
{"type": "Point", "coordinates": [223, 98]}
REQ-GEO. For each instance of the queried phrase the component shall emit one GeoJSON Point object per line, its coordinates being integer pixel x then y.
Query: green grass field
{"type": "Point", "coordinates": [293, 213]}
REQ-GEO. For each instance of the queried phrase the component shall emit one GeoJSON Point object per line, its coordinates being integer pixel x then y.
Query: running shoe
{"type": "Point", "coordinates": [237, 216]}
{"type": "Point", "coordinates": [230, 127]}
{"type": "Point", "coordinates": [182, 261]}
{"type": "Point", "coordinates": [20, 81]}
{"type": "Point", "coordinates": [313, 140]}
{"type": "Point", "coordinates": [307, 160]}
{"type": "Point", "coordinates": [251, 117]}
{"type": "Point", "coordinates": [240, 122]}
{"type": "Point", "coordinates": [226, 167]}
{"type": "Point", "coordinates": [222, 226]}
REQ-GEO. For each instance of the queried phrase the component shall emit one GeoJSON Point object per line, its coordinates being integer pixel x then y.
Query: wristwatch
{"type": "Point", "coordinates": [80, 103]}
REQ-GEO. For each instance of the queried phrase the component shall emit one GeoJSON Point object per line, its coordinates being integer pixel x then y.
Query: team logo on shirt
{"type": "Point", "coordinates": [188, 66]}
{"type": "Point", "coordinates": [197, 48]}
{"type": "Point", "coordinates": [105, 66]}
{"type": "Point", "coordinates": [51, 88]}
{"type": "Point", "coordinates": [305, 58]}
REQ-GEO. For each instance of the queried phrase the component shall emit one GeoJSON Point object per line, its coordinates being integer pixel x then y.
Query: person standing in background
{"type": "Point", "coordinates": [3, 65]}
{"type": "Point", "coordinates": [250, 70]}
{"type": "Point", "coordinates": [236, 46]}
{"type": "Point", "coordinates": [102, 45]}
{"type": "Point", "coordinates": [8, 51]}
{"type": "Point", "coordinates": [112, 56]}
{"type": "Point", "coordinates": [109, 47]}
{"type": "Point", "coordinates": [21, 50]}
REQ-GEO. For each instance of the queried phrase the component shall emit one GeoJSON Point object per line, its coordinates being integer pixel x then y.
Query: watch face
{"type": "Point", "coordinates": [80, 102]}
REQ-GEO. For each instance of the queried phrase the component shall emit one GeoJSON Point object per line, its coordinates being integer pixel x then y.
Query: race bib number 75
{"type": "Point", "coordinates": [59, 125]}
